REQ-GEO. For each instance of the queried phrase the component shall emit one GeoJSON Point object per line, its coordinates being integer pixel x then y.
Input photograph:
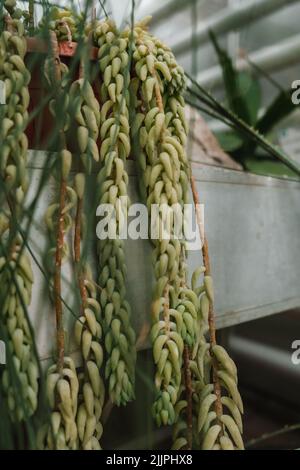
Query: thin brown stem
{"type": "Point", "coordinates": [60, 337]}
{"type": "Point", "coordinates": [55, 56]}
{"type": "Point", "coordinates": [77, 254]}
{"type": "Point", "coordinates": [187, 373]}
{"type": "Point", "coordinates": [211, 316]}
{"type": "Point", "coordinates": [189, 396]}
{"type": "Point", "coordinates": [57, 278]}
{"type": "Point", "coordinates": [158, 96]}
{"type": "Point", "coordinates": [204, 243]}
{"type": "Point", "coordinates": [78, 221]}
{"type": "Point", "coordinates": [77, 236]}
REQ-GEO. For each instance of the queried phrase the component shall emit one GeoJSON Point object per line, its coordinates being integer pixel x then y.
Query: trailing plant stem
{"type": "Point", "coordinates": [60, 339]}
{"type": "Point", "coordinates": [211, 316]}
{"type": "Point", "coordinates": [57, 277]}
{"type": "Point", "coordinates": [78, 267]}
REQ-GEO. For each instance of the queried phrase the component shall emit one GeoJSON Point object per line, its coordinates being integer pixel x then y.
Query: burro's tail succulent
{"type": "Point", "coordinates": [20, 379]}
{"type": "Point", "coordinates": [114, 63]}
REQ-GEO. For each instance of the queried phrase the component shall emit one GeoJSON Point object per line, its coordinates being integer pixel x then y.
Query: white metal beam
{"type": "Point", "coordinates": [277, 56]}
{"type": "Point", "coordinates": [160, 12]}
{"type": "Point", "coordinates": [228, 19]}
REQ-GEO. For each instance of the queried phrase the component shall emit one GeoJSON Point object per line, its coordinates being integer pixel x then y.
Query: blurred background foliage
{"type": "Point", "coordinates": [244, 98]}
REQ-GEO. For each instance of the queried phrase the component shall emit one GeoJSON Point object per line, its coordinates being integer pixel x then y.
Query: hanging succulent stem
{"type": "Point", "coordinates": [187, 377]}
{"type": "Point", "coordinates": [77, 234]}
{"type": "Point", "coordinates": [77, 252]}
{"type": "Point", "coordinates": [57, 277]}
{"type": "Point", "coordinates": [113, 182]}
{"type": "Point", "coordinates": [160, 106]}
{"type": "Point", "coordinates": [88, 331]}
{"type": "Point", "coordinates": [211, 316]}
{"type": "Point", "coordinates": [60, 340]}
{"type": "Point", "coordinates": [19, 381]}
{"type": "Point", "coordinates": [161, 158]}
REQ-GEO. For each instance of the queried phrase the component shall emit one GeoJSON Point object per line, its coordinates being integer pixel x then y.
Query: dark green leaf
{"type": "Point", "coordinates": [251, 92]}
{"type": "Point", "coordinates": [199, 98]}
{"type": "Point", "coordinates": [281, 107]}
{"type": "Point", "coordinates": [265, 166]}
{"type": "Point", "coordinates": [236, 101]}
{"type": "Point", "coordinates": [229, 141]}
